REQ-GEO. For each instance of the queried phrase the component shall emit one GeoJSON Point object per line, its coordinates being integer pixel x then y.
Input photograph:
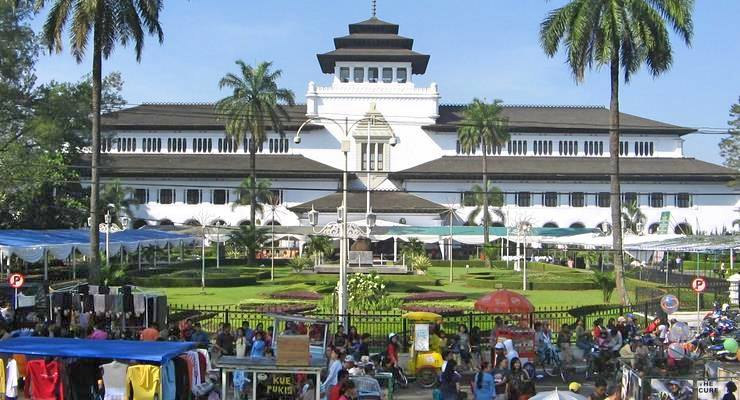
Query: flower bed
{"type": "Point", "coordinates": [297, 295]}
{"type": "Point", "coordinates": [278, 308]}
{"type": "Point", "coordinates": [441, 310]}
{"type": "Point", "coordinates": [434, 296]}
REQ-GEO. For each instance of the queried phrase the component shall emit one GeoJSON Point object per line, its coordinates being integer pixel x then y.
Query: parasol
{"type": "Point", "coordinates": [504, 302]}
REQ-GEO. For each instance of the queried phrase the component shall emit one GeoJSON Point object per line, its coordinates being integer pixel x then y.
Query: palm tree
{"type": "Point", "coordinates": [414, 247]}
{"type": "Point", "coordinates": [623, 35]}
{"type": "Point", "coordinates": [120, 197]}
{"type": "Point", "coordinates": [483, 127]}
{"type": "Point", "coordinates": [633, 218]}
{"type": "Point", "coordinates": [319, 246]}
{"type": "Point", "coordinates": [263, 195]}
{"type": "Point", "coordinates": [255, 101]}
{"type": "Point", "coordinates": [478, 198]}
{"type": "Point", "coordinates": [110, 22]}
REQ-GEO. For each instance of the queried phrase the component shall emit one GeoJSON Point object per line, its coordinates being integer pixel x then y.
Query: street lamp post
{"type": "Point", "coordinates": [343, 244]}
{"type": "Point", "coordinates": [107, 238]}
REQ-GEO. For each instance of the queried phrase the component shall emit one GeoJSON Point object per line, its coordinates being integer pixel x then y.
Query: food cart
{"type": "Point", "coordinates": [296, 355]}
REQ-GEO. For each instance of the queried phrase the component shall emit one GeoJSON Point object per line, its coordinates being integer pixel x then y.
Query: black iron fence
{"type": "Point", "coordinates": [379, 324]}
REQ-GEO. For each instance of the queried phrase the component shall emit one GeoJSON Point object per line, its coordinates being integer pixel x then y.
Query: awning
{"type": "Point", "coordinates": [158, 352]}
{"type": "Point", "coordinates": [30, 245]}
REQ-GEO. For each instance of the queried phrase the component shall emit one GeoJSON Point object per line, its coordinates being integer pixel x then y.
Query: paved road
{"type": "Point", "coordinates": [413, 392]}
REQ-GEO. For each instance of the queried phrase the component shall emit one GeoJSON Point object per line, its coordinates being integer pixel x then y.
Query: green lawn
{"type": "Point", "coordinates": [436, 279]}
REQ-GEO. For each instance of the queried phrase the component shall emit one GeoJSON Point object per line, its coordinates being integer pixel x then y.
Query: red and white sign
{"type": "Point", "coordinates": [699, 285]}
{"type": "Point", "coordinates": [16, 280]}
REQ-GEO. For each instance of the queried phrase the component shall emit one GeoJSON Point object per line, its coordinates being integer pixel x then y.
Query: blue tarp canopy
{"type": "Point", "coordinates": [30, 245]}
{"type": "Point", "coordinates": [158, 352]}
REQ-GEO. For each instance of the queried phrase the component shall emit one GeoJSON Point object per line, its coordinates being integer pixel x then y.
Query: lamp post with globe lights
{"type": "Point", "coordinates": [345, 145]}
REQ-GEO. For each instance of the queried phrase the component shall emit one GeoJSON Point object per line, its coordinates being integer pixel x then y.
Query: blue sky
{"type": "Point", "coordinates": [479, 48]}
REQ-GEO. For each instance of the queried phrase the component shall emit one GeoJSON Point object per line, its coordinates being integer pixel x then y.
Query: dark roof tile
{"type": "Point", "coordinates": [381, 202]}
{"type": "Point", "coordinates": [567, 168]}
{"type": "Point", "coordinates": [559, 119]}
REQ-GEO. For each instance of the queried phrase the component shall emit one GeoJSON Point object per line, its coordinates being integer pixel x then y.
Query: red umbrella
{"type": "Point", "coordinates": [504, 302]}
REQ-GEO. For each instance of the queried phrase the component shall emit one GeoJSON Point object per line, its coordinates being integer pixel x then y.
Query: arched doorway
{"type": "Point", "coordinates": [192, 222]}
{"type": "Point", "coordinates": [550, 225]}
{"type": "Point", "coordinates": [577, 225]}
{"type": "Point", "coordinates": [653, 228]}
{"type": "Point", "coordinates": [272, 222]}
{"type": "Point", "coordinates": [166, 222]}
{"type": "Point", "coordinates": [683, 229]}
{"type": "Point", "coordinates": [218, 222]}
{"type": "Point", "coordinates": [245, 222]}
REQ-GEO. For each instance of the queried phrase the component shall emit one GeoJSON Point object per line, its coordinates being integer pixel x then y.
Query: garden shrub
{"type": "Point", "coordinates": [441, 310]}
{"type": "Point", "coordinates": [434, 296]}
{"type": "Point", "coordinates": [297, 295]}
{"type": "Point", "coordinates": [299, 264]}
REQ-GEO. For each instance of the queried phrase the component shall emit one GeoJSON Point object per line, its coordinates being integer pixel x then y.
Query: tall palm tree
{"type": "Point", "coordinates": [483, 127]}
{"type": "Point", "coordinates": [110, 22]}
{"type": "Point", "coordinates": [623, 35]}
{"type": "Point", "coordinates": [121, 197]}
{"type": "Point", "coordinates": [256, 103]}
{"type": "Point", "coordinates": [319, 246]}
{"type": "Point", "coordinates": [478, 198]}
{"type": "Point", "coordinates": [633, 219]}
{"type": "Point", "coordinates": [263, 195]}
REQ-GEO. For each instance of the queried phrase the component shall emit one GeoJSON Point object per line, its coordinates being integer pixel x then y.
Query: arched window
{"type": "Point", "coordinates": [577, 225]}
{"type": "Point", "coordinates": [550, 225]}
{"type": "Point", "coordinates": [653, 228]}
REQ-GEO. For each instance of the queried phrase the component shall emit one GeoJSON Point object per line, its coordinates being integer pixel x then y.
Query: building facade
{"type": "Point", "coordinates": [402, 146]}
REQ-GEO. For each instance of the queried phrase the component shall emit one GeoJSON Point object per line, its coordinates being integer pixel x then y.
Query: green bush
{"type": "Point", "coordinates": [420, 263]}
{"type": "Point", "coordinates": [299, 264]}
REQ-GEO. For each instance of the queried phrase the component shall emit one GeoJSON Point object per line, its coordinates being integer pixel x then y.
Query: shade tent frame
{"type": "Point", "coordinates": [156, 352]}
{"type": "Point", "coordinates": [38, 245]}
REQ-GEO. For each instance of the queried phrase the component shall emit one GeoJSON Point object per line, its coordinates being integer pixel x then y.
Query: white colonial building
{"type": "Point", "coordinates": [553, 171]}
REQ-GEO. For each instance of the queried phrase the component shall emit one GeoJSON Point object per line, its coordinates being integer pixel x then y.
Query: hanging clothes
{"type": "Point", "coordinates": [84, 376]}
{"type": "Point", "coordinates": [161, 313]}
{"type": "Point", "coordinates": [169, 386]}
{"type": "Point", "coordinates": [99, 303]}
{"type": "Point", "coordinates": [26, 301]}
{"type": "Point", "coordinates": [139, 304]}
{"type": "Point", "coordinates": [182, 379]}
{"type": "Point", "coordinates": [143, 382]}
{"type": "Point", "coordinates": [84, 320]}
{"type": "Point", "coordinates": [195, 378]}
{"type": "Point", "coordinates": [43, 381]}
{"type": "Point", "coordinates": [2, 378]}
{"type": "Point", "coordinates": [207, 356]}
{"type": "Point", "coordinates": [114, 380]}
{"type": "Point", "coordinates": [11, 379]}
{"type": "Point", "coordinates": [21, 361]}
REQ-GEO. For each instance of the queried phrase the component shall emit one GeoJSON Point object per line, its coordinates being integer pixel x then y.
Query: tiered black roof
{"type": "Point", "coordinates": [373, 40]}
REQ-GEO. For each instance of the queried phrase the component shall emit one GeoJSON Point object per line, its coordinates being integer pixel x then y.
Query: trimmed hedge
{"type": "Point", "coordinates": [297, 295]}
{"type": "Point", "coordinates": [441, 310]}
{"type": "Point", "coordinates": [517, 285]}
{"type": "Point", "coordinates": [434, 296]}
{"type": "Point", "coordinates": [212, 280]}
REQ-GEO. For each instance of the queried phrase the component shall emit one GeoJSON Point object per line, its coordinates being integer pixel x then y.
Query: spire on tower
{"type": "Point", "coordinates": [375, 7]}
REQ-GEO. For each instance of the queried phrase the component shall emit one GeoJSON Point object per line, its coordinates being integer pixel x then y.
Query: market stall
{"type": "Point", "coordinates": [299, 347]}
{"type": "Point", "coordinates": [79, 360]}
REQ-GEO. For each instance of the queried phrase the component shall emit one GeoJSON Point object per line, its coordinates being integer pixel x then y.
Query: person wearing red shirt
{"type": "Point", "coordinates": [150, 334]}
{"type": "Point", "coordinates": [653, 326]}
{"type": "Point", "coordinates": [336, 391]}
{"type": "Point", "coordinates": [392, 349]}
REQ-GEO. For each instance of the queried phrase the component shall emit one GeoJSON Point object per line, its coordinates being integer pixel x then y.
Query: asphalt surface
{"type": "Point", "coordinates": [544, 385]}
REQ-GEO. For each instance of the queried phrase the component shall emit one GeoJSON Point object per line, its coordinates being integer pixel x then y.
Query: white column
{"type": "Point", "coordinates": [74, 264]}
{"type": "Point", "coordinates": [395, 249]}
